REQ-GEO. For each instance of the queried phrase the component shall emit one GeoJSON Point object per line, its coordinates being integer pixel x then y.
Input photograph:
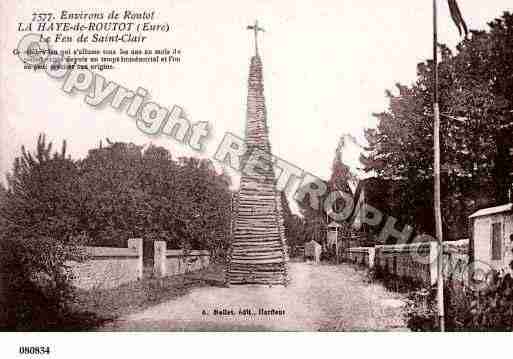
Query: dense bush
{"type": "Point", "coordinates": [392, 282]}
{"type": "Point", "coordinates": [35, 281]}
{"type": "Point", "coordinates": [472, 306]}
{"type": "Point", "coordinates": [488, 308]}
{"type": "Point", "coordinates": [116, 192]}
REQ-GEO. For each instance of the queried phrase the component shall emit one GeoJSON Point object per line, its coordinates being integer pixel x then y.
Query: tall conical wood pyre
{"type": "Point", "coordinates": [258, 253]}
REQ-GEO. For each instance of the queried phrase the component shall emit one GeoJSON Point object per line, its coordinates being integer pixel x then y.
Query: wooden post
{"type": "Point", "coordinates": [438, 210]}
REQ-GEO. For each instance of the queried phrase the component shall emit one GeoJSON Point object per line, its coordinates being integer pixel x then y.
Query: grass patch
{"type": "Point", "coordinates": [95, 308]}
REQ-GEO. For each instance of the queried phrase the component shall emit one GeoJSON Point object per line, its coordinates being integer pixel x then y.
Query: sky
{"type": "Point", "coordinates": [327, 65]}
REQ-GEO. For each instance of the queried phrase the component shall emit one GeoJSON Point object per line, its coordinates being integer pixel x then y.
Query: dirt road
{"type": "Point", "coordinates": [319, 297]}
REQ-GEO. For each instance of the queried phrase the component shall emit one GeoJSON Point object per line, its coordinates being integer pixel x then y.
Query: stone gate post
{"type": "Point", "coordinates": [159, 262]}
{"type": "Point", "coordinates": [137, 244]}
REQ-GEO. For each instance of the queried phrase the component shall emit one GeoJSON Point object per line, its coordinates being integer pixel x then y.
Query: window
{"type": "Point", "coordinates": [496, 242]}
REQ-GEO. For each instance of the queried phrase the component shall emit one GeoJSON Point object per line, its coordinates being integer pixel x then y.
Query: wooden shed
{"type": "Point", "coordinates": [313, 251]}
{"type": "Point", "coordinates": [492, 232]}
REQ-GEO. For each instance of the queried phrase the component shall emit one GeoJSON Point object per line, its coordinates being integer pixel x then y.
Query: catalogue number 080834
{"type": "Point", "coordinates": [34, 350]}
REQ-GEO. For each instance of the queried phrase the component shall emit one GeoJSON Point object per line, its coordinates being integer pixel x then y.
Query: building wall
{"type": "Point", "coordinates": [483, 240]}
{"type": "Point", "coordinates": [508, 230]}
{"type": "Point", "coordinates": [108, 267]}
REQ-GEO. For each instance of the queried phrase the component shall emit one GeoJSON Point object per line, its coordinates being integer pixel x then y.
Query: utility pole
{"type": "Point", "coordinates": [438, 210]}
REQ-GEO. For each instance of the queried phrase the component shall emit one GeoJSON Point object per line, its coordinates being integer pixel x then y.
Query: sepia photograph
{"type": "Point", "coordinates": [255, 166]}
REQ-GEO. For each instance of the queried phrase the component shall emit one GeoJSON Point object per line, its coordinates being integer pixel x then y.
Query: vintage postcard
{"type": "Point", "coordinates": [256, 166]}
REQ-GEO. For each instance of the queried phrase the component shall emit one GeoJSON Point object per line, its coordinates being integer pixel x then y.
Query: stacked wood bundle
{"type": "Point", "coordinates": [258, 252]}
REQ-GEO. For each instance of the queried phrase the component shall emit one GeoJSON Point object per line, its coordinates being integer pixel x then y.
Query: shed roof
{"type": "Point", "coordinates": [493, 210]}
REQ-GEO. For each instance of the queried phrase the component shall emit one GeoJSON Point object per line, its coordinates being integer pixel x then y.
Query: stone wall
{"type": "Point", "coordinates": [109, 267]}
{"type": "Point", "coordinates": [456, 260]}
{"type": "Point", "coordinates": [172, 262]}
{"type": "Point", "coordinates": [363, 256]}
{"type": "Point", "coordinates": [416, 261]}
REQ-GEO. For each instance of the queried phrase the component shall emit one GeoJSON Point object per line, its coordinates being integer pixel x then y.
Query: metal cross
{"type": "Point", "coordinates": [256, 29]}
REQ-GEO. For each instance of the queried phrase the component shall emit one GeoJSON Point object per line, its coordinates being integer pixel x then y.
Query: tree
{"type": "Point", "coordinates": [314, 219]}
{"type": "Point", "coordinates": [134, 193]}
{"type": "Point", "coordinates": [476, 104]}
{"type": "Point", "coordinates": [114, 204]}
{"type": "Point", "coordinates": [206, 203]}
{"type": "Point", "coordinates": [294, 226]}
{"type": "Point", "coordinates": [41, 195]}
{"type": "Point", "coordinates": [52, 204]}
{"type": "Point", "coordinates": [38, 209]}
